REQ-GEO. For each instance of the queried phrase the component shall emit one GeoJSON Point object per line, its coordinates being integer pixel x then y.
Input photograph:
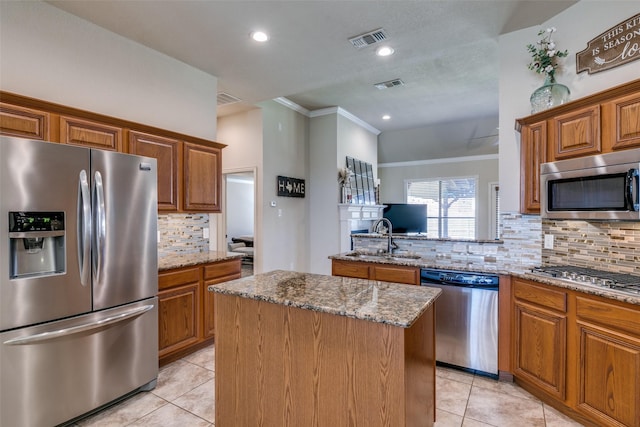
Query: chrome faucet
{"type": "Point", "coordinates": [390, 245]}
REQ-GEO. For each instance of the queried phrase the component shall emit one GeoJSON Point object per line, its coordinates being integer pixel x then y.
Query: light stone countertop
{"type": "Point", "coordinates": [383, 302]}
{"type": "Point", "coordinates": [420, 262]}
{"type": "Point", "coordinates": [169, 262]}
{"type": "Point", "coordinates": [584, 288]}
{"type": "Point", "coordinates": [431, 263]}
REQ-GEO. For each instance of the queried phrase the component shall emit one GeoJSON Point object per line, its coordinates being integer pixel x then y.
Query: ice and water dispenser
{"type": "Point", "coordinates": [36, 244]}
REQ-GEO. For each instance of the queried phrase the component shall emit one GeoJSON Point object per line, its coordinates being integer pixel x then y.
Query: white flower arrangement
{"type": "Point", "coordinates": [344, 175]}
{"type": "Point", "coordinates": [544, 54]}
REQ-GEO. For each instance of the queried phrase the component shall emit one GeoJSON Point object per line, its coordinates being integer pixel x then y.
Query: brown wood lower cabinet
{"type": "Point", "coordinates": [609, 369]}
{"type": "Point", "coordinates": [577, 352]}
{"type": "Point", "coordinates": [185, 315]}
{"type": "Point", "coordinates": [373, 271]}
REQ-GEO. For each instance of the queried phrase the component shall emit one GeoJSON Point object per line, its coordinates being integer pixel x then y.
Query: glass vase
{"type": "Point", "coordinates": [549, 95]}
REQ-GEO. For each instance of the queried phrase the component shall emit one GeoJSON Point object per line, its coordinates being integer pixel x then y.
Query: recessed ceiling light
{"type": "Point", "coordinates": [259, 36]}
{"type": "Point", "coordinates": [386, 117]}
{"type": "Point", "coordinates": [384, 51]}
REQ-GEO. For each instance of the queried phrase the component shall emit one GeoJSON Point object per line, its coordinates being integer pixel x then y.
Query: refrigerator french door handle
{"type": "Point", "coordinates": [45, 336]}
{"type": "Point", "coordinates": [84, 228]}
{"type": "Point", "coordinates": [99, 225]}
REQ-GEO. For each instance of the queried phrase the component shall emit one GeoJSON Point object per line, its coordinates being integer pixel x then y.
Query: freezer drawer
{"type": "Point", "coordinates": [57, 371]}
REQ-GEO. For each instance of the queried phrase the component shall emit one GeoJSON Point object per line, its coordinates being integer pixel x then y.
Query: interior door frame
{"type": "Point", "coordinates": [222, 225]}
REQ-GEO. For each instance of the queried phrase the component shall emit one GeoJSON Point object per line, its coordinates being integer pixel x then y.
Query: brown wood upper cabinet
{"type": "Point", "coordinates": [533, 153]}
{"type": "Point", "coordinates": [622, 123]}
{"type": "Point", "coordinates": [189, 168]}
{"type": "Point", "coordinates": [202, 178]}
{"type": "Point", "coordinates": [166, 151]}
{"type": "Point", "coordinates": [88, 133]}
{"type": "Point", "coordinates": [24, 122]}
{"type": "Point", "coordinates": [600, 123]}
{"type": "Point", "coordinates": [575, 134]}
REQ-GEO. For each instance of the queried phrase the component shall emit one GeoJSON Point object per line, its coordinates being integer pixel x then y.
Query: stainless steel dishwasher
{"type": "Point", "coordinates": [466, 319]}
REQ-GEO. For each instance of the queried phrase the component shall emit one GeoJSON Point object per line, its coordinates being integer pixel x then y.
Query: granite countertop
{"type": "Point", "coordinates": [584, 288]}
{"type": "Point", "coordinates": [168, 262]}
{"type": "Point", "coordinates": [410, 260]}
{"type": "Point", "coordinates": [431, 263]}
{"type": "Point", "coordinates": [383, 302]}
{"type": "Point", "coordinates": [416, 236]}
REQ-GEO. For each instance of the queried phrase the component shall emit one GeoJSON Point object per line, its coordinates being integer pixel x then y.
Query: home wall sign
{"type": "Point", "coordinates": [616, 46]}
{"type": "Point", "coordinates": [290, 187]}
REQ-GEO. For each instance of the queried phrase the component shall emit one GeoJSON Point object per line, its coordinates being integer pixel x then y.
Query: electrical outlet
{"type": "Point", "coordinates": [205, 233]}
{"type": "Point", "coordinates": [548, 241]}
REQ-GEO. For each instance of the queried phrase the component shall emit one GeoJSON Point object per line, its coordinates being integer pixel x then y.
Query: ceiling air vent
{"type": "Point", "coordinates": [226, 99]}
{"type": "Point", "coordinates": [364, 40]}
{"type": "Point", "coordinates": [389, 84]}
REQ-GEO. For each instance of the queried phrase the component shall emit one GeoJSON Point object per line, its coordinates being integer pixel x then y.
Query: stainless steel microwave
{"type": "Point", "coordinates": [603, 187]}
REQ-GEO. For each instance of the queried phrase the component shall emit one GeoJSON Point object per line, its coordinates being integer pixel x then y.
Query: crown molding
{"type": "Point", "coordinates": [325, 112]}
{"type": "Point", "coordinates": [438, 161]}
{"type": "Point", "coordinates": [292, 105]}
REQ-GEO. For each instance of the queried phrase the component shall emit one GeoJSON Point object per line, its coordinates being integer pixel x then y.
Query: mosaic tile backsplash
{"type": "Point", "coordinates": [518, 251]}
{"type": "Point", "coordinates": [608, 246]}
{"type": "Point", "coordinates": [182, 233]}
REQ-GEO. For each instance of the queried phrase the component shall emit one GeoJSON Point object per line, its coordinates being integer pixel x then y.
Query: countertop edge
{"type": "Point", "coordinates": [173, 261]}
{"type": "Point", "coordinates": [585, 289]}
{"type": "Point", "coordinates": [357, 314]}
{"type": "Point", "coordinates": [430, 263]}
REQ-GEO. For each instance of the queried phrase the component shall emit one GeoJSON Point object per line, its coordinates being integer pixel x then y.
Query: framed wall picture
{"type": "Point", "coordinates": [362, 182]}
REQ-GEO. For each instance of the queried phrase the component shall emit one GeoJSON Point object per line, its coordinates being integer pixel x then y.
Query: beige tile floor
{"type": "Point", "coordinates": [184, 397]}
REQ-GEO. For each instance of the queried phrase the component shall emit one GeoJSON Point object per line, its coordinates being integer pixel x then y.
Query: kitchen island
{"type": "Point", "coordinates": [302, 349]}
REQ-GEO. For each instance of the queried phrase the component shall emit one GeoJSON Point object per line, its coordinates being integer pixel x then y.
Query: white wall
{"type": "Point", "coordinates": [392, 186]}
{"type": "Point", "coordinates": [242, 133]}
{"type": "Point", "coordinates": [285, 152]}
{"type": "Point", "coordinates": [457, 138]}
{"type": "Point", "coordinates": [333, 136]}
{"type": "Point", "coordinates": [575, 27]}
{"type": "Point", "coordinates": [55, 56]}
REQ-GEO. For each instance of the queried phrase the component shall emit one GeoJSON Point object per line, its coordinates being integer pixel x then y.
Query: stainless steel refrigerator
{"type": "Point", "coordinates": [78, 280]}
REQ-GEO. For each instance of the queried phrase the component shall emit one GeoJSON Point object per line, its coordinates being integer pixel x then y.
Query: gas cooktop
{"type": "Point", "coordinates": [621, 282]}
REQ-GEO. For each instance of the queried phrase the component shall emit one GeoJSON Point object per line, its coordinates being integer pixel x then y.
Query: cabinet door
{"type": "Point", "coordinates": [24, 122]}
{"type": "Point", "coordinates": [533, 152]}
{"type": "Point", "coordinates": [540, 348]}
{"type": "Point", "coordinates": [609, 378]}
{"type": "Point", "coordinates": [396, 274]}
{"type": "Point", "coordinates": [178, 317]}
{"type": "Point", "coordinates": [609, 356]}
{"type": "Point", "coordinates": [167, 152]}
{"type": "Point", "coordinates": [202, 173]}
{"type": "Point", "coordinates": [621, 123]}
{"type": "Point", "coordinates": [350, 269]}
{"type": "Point", "coordinates": [87, 133]}
{"type": "Point", "coordinates": [576, 134]}
{"type": "Point", "coordinates": [214, 274]}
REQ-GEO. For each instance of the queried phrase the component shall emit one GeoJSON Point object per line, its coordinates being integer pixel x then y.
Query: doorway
{"type": "Point", "coordinates": [239, 213]}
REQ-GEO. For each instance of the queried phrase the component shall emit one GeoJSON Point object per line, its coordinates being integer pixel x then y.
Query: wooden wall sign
{"type": "Point", "coordinates": [290, 187]}
{"type": "Point", "coordinates": [616, 46]}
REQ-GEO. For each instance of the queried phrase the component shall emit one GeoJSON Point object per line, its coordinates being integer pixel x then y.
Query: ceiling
{"type": "Point", "coordinates": [446, 52]}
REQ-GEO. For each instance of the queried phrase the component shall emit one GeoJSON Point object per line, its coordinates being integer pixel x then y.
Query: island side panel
{"type": "Point", "coordinates": [420, 362]}
{"type": "Point", "coordinates": [278, 365]}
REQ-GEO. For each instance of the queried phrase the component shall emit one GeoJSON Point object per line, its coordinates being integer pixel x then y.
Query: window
{"type": "Point", "coordinates": [451, 206]}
